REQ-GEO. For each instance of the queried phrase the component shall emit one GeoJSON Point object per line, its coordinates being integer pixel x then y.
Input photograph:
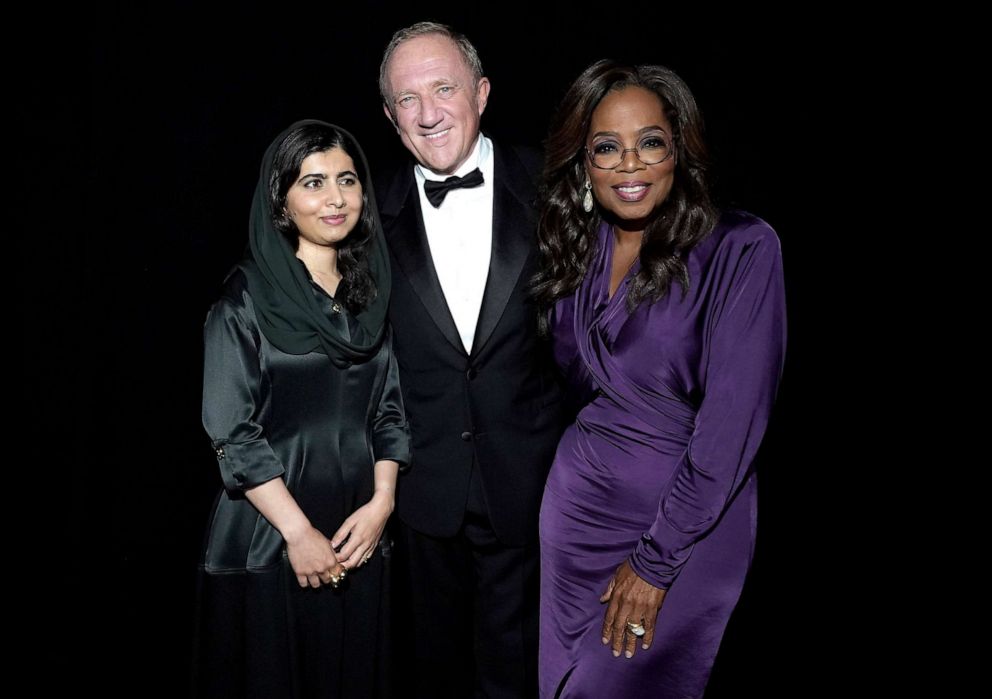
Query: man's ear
{"type": "Point", "coordinates": [482, 94]}
{"type": "Point", "coordinates": [389, 115]}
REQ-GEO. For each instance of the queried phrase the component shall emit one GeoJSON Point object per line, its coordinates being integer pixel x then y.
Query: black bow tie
{"type": "Point", "coordinates": [437, 191]}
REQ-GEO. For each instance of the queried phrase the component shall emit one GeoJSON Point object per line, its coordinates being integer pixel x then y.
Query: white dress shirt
{"type": "Point", "coordinates": [460, 235]}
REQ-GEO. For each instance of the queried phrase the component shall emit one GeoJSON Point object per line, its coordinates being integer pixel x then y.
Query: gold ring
{"type": "Point", "coordinates": [636, 629]}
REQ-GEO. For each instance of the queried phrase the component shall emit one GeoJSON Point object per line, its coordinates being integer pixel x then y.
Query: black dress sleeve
{"type": "Point", "coordinates": [232, 379]}
{"type": "Point", "coordinates": [390, 431]}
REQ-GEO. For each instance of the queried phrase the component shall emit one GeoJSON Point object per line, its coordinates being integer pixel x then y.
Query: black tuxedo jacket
{"type": "Point", "coordinates": [501, 404]}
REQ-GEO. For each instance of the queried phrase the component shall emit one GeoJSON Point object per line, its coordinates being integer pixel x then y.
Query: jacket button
{"type": "Point", "coordinates": [467, 436]}
{"type": "Point", "coordinates": [471, 373]}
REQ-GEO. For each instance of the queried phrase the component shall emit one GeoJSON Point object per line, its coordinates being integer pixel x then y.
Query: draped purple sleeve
{"type": "Point", "coordinates": [742, 363]}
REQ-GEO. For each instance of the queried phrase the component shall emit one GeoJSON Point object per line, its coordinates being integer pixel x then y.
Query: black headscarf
{"type": "Point", "coordinates": [288, 313]}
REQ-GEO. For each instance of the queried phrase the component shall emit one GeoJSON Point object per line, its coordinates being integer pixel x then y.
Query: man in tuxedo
{"type": "Point", "coordinates": [477, 382]}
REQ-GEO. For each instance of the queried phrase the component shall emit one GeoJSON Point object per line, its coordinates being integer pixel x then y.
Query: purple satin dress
{"type": "Point", "coordinates": [656, 468]}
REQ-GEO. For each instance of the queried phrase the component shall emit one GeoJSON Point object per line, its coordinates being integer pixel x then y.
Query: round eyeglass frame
{"type": "Point", "coordinates": [623, 155]}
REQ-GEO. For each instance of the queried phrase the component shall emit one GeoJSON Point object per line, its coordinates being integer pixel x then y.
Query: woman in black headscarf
{"type": "Point", "coordinates": [302, 405]}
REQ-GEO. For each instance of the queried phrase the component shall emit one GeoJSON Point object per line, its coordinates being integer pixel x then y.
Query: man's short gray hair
{"type": "Point", "coordinates": [469, 54]}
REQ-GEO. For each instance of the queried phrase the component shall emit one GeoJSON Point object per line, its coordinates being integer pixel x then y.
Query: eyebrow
{"type": "Point", "coordinates": [436, 83]}
{"type": "Point", "coordinates": [642, 130]}
{"type": "Point", "coordinates": [322, 176]}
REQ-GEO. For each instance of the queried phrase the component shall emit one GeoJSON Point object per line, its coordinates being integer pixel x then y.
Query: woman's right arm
{"type": "Point", "coordinates": [248, 466]}
{"type": "Point", "coordinates": [310, 552]}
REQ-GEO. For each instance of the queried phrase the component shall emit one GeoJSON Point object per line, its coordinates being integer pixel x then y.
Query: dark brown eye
{"type": "Point", "coordinates": [604, 147]}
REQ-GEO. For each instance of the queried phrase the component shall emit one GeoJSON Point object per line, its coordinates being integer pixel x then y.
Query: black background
{"type": "Point", "coordinates": [173, 113]}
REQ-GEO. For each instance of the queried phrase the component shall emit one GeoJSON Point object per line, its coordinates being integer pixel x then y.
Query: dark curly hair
{"type": "Point", "coordinates": [567, 234]}
{"type": "Point", "coordinates": [358, 287]}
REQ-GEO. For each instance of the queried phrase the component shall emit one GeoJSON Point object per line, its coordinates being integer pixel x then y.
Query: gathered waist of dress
{"type": "Point", "coordinates": [662, 431]}
{"type": "Point", "coordinates": [611, 471]}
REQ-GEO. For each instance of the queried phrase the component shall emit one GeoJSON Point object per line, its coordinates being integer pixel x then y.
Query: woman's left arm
{"type": "Point", "coordinates": [362, 530]}
{"type": "Point", "coordinates": [743, 364]}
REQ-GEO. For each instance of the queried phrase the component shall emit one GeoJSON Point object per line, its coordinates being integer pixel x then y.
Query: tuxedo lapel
{"type": "Point", "coordinates": [403, 225]}
{"type": "Point", "coordinates": [514, 224]}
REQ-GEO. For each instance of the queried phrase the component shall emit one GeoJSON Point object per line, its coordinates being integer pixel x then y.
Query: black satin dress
{"type": "Point", "coordinates": [320, 428]}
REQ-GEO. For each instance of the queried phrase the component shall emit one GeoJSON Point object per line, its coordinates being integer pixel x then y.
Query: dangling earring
{"type": "Point", "coordinates": [587, 199]}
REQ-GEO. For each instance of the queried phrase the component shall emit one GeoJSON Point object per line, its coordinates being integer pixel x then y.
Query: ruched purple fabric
{"type": "Point", "coordinates": [657, 468]}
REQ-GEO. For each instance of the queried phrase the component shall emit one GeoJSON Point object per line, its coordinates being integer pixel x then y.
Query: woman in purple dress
{"type": "Point", "coordinates": [668, 322]}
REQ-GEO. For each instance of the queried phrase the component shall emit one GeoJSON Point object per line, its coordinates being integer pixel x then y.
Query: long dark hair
{"type": "Point", "coordinates": [567, 235]}
{"type": "Point", "coordinates": [358, 287]}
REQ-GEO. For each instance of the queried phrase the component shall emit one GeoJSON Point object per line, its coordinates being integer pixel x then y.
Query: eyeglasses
{"type": "Point", "coordinates": [654, 148]}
